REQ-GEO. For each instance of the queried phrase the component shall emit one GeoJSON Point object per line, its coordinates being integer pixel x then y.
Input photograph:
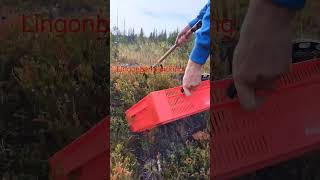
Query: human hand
{"type": "Point", "coordinates": [192, 77]}
{"type": "Point", "coordinates": [263, 52]}
{"type": "Point", "coordinates": [184, 36]}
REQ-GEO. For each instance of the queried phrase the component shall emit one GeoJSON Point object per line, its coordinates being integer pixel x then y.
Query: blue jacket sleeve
{"type": "Point", "coordinates": [291, 4]}
{"type": "Point", "coordinates": [200, 15]}
{"type": "Point", "coordinates": [201, 49]}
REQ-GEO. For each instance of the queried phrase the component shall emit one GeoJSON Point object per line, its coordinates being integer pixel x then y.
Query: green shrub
{"type": "Point", "coordinates": [53, 89]}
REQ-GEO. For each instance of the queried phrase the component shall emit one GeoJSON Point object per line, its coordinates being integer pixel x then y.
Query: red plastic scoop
{"type": "Point", "coordinates": [286, 126]}
{"type": "Point", "coordinates": [85, 158]}
{"type": "Point", "coordinates": [165, 106]}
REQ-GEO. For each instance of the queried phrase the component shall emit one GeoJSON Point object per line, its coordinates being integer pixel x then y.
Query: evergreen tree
{"type": "Point", "coordinates": [165, 35]}
{"type": "Point", "coordinates": [155, 34]}
{"type": "Point", "coordinates": [151, 37]}
{"type": "Point", "coordinates": [141, 35]}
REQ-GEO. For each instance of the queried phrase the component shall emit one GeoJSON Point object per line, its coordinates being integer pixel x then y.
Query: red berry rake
{"type": "Point", "coordinates": [286, 126]}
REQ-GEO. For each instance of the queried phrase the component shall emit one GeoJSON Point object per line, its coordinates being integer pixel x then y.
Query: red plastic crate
{"type": "Point", "coordinates": [286, 126]}
{"type": "Point", "coordinates": [85, 158]}
{"type": "Point", "coordinates": [165, 106]}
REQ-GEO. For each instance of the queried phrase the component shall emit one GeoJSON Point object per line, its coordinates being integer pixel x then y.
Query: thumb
{"type": "Point", "coordinates": [177, 39]}
{"type": "Point", "coordinates": [186, 91]}
{"type": "Point", "coordinates": [247, 96]}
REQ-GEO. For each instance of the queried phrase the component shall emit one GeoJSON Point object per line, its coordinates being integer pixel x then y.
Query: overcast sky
{"type": "Point", "coordinates": [150, 14]}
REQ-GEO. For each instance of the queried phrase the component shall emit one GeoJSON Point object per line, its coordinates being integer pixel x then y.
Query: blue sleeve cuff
{"type": "Point", "coordinates": [193, 22]}
{"type": "Point", "coordinates": [290, 4]}
{"type": "Point", "coordinates": [199, 54]}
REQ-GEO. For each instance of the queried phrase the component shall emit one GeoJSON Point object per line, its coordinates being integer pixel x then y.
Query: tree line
{"type": "Point", "coordinates": [132, 36]}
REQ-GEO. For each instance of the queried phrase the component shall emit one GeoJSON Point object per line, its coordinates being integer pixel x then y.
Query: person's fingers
{"type": "Point", "coordinates": [194, 86]}
{"type": "Point", "coordinates": [178, 38]}
{"type": "Point", "coordinates": [177, 41]}
{"type": "Point", "coordinates": [246, 95]}
{"type": "Point", "coordinates": [192, 77]}
{"type": "Point", "coordinates": [187, 37]}
{"type": "Point", "coordinates": [186, 91]}
{"type": "Point", "coordinates": [180, 42]}
{"type": "Point", "coordinates": [183, 39]}
{"type": "Point", "coordinates": [188, 88]}
{"type": "Point", "coordinates": [188, 34]}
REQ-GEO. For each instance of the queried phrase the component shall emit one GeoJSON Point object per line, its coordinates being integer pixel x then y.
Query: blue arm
{"type": "Point", "coordinates": [201, 49]}
{"type": "Point", "coordinates": [200, 15]}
